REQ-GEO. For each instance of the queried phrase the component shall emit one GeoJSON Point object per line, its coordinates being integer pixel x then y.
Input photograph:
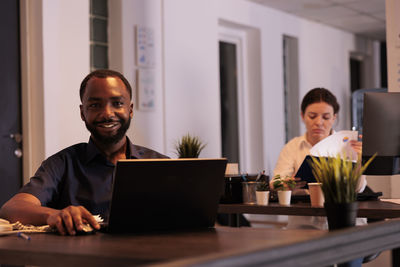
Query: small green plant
{"type": "Point", "coordinates": [283, 183]}
{"type": "Point", "coordinates": [189, 147]}
{"type": "Point", "coordinates": [339, 177]}
{"type": "Point", "coordinates": [262, 186]}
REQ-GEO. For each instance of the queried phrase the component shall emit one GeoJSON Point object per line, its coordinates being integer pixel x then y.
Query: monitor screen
{"type": "Point", "coordinates": [381, 132]}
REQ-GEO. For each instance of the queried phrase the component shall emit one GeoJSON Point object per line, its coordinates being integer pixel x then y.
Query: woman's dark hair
{"type": "Point", "coordinates": [104, 74]}
{"type": "Point", "coordinates": [318, 95]}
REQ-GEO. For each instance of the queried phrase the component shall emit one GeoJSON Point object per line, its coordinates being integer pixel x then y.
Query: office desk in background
{"type": "Point", "coordinates": [373, 210]}
{"type": "Point", "coordinates": [223, 246]}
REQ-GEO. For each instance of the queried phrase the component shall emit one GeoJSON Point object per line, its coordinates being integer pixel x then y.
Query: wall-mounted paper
{"type": "Point", "coordinates": [145, 47]}
{"type": "Point", "coordinates": [146, 90]}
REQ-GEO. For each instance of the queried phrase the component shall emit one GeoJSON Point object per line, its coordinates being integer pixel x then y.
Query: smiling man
{"type": "Point", "coordinates": [76, 182]}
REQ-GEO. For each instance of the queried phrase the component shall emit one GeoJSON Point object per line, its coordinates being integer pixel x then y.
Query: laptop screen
{"type": "Point", "coordinates": [158, 194]}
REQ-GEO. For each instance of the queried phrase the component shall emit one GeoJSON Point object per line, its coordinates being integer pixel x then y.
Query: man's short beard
{"type": "Point", "coordinates": [110, 140]}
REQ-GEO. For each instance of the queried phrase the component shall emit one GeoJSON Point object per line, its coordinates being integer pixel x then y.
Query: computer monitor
{"type": "Point", "coordinates": [381, 133]}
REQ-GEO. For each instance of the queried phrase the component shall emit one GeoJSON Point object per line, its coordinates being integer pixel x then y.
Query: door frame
{"type": "Point", "coordinates": [238, 38]}
{"type": "Point", "coordinates": [32, 95]}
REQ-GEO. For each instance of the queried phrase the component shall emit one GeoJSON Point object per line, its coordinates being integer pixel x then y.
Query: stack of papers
{"type": "Point", "coordinates": [7, 228]}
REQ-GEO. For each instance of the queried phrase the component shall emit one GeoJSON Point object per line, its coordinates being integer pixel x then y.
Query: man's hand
{"type": "Point", "coordinates": [27, 209]}
{"type": "Point", "coordinates": [71, 219]}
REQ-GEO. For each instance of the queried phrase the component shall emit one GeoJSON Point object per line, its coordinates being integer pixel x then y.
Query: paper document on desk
{"type": "Point", "coordinates": [7, 228]}
{"type": "Point", "coordinates": [337, 143]}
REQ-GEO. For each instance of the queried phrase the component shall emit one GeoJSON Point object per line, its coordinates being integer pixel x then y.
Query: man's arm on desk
{"type": "Point", "coordinates": [27, 209]}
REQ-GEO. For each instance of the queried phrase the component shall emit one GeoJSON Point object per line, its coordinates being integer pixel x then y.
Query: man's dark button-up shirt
{"type": "Point", "coordinates": [79, 175]}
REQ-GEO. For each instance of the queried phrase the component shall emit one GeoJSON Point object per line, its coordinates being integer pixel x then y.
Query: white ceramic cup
{"type": "Point", "coordinates": [284, 197]}
{"type": "Point", "coordinates": [316, 195]}
{"type": "Point", "coordinates": [262, 197]}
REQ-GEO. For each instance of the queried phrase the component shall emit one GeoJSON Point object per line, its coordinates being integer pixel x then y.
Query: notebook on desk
{"type": "Point", "coordinates": [165, 194]}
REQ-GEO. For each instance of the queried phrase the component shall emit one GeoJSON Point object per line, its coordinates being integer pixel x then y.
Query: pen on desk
{"type": "Point", "coordinates": [24, 236]}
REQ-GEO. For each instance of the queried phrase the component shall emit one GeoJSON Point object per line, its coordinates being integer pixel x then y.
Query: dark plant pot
{"type": "Point", "coordinates": [341, 215]}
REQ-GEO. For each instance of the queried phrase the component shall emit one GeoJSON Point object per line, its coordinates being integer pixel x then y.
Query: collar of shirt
{"type": "Point", "coordinates": [304, 144]}
{"type": "Point", "coordinates": [92, 151]}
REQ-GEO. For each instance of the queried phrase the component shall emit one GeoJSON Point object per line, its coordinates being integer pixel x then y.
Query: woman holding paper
{"type": "Point", "coordinates": [319, 109]}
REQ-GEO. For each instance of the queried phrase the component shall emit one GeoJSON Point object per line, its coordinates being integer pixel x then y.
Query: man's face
{"type": "Point", "coordinates": [106, 109]}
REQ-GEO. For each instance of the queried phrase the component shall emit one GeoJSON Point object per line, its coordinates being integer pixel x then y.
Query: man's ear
{"type": "Point", "coordinates": [82, 116]}
{"type": "Point", "coordinates": [131, 110]}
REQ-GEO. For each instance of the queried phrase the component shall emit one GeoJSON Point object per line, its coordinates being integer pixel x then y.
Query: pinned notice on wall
{"type": "Point", "coordinates": [144, 37]}
{"type": "Point", "coordinates": [145, 90]}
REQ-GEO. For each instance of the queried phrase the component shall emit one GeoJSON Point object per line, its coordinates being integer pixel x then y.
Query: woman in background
{"type": "Point", "coordinates": [319, 110]}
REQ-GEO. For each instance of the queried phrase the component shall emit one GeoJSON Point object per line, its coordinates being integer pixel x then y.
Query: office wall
{"type": "Point", "coordinates": [186, 69]}
{"type": "Point", "coordinates": [65, 63]}
{"type": "Point", "coordinates": [393, 44]}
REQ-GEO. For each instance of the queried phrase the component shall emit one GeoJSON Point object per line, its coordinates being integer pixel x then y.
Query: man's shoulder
{"type": "Point", "coordinates": [142, 152]}
{"type": "Point", "coordinates": [73, 151]}
{"type": "Point", "coordinates": [59, 160]}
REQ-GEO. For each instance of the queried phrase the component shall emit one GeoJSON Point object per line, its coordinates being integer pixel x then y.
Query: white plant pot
{"type": "Point", "coordinates": [262, 197]}
{"type": "Point", "coordinates": [284, 197]}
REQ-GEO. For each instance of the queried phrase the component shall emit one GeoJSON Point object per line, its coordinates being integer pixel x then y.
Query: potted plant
{"type": "Point", "coordinates": [339, 178]}
{"type": "Point", "coordinates": [189, 147]}
{"type": "Point", "coordinates": [262, 193]}
{"type": "Point", "coordinates": [284, 186]}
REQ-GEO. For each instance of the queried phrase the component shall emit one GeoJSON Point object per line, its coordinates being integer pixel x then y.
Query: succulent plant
{"type": "Point", "coordinates": [189, 147]}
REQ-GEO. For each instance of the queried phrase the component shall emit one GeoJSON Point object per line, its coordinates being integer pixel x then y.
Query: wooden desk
{"type": "Point", "coordinates": [377, 210]}
{"type": "Point", "coordinates": [223, 246]}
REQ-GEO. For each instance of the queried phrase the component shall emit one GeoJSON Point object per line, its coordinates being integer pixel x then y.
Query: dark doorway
{"type": "Point", "coordinates": [229, 101]}
{"type": "Point", "coordinates": [355, 74]}
{"type": "Point", "coordinates": [383, 65]}
{"type": "Point", "coordinates": [10, 106]}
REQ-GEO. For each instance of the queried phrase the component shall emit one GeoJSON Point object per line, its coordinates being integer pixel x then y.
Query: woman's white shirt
{"type": "Point", "coordinates": [292, 156]}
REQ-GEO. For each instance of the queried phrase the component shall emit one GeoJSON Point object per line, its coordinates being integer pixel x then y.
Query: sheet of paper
{"type": "Point", "coordinates": [337, 143]}
{"type": "Point", "coordinates": [391, 200]}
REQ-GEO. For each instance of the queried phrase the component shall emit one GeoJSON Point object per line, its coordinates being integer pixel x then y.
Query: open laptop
{"type": "Point", "coordinates": [165, 194]}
